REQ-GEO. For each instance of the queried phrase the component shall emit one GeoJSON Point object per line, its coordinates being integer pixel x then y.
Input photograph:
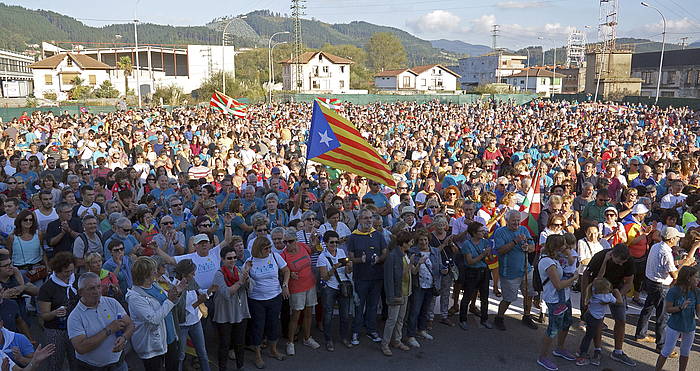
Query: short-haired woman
{"type": "Point", "coordinates": [151, 310]}
{"type": "Point", "coordinates": [265, 296]}
{"type": "Point", "coordinates": [191, 325]}
{"type": "Point", "coordinates": [108, 280]}
{"type": "Point", "coordinates": [334, 265]}
{"type": "Point", "coordinates": [475, 249]}
{"type": "Point", "coordinates": [230, 308]}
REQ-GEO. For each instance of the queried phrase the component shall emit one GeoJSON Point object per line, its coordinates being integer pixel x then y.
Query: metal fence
{"type": "Point", "coordinates": [386, 98]}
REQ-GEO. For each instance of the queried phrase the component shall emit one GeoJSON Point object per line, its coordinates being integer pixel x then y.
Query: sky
{"type": "Point", "coordinates": [521, 21]}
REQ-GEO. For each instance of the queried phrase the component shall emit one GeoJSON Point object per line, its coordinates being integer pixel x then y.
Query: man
{"type": "Point", "coordinates": [367, 250]}
{"type": "Point", "coordinates": [428, 188]}
{"type": "Point", "coordinates": [674, 199]}
{"type": "Point", "coordinates": [12, 165]}
{"type": "Point", "coordinates": [250, 204]}
{"type": "Point", "coordinates": [112, 207]}
{"type": "Point", "coordinates": [227, 193]}
{"type": "Point", "coordinates": [513, 242]}
{"type": "Point", "coordinates": [88, 204]}
{"type": "Point", "coordinates": [584, 198]}
{"type": "Point", "coordinates": [29, 176]}
{"type": "Point", "coordinates": [455, 177]}
{"type": "Point", "coordinates": [644, 178]}
{"type": "Point", "coordinates": [206, 258]}
{"type": "Point", "coordinates": [122, 232]}
{"type": "Point", "coordinates": [88, 242]}
{"type": "Point", "coordinates": [660, 273]}
{"type": "Point", "coordinates": [45, 213]}
{"type": "Point", "coordinates": [588, 175]}
{"type": "Point", "coordinates": [7, 221]}
{"type": "Point", "coordinates": [616, 266]}
{"type": "Point", "coordinates": [62, 232]}
{"type": "Point", "coordinates": [170, 240]}
{"type": "Point", "coordinates": [379, 200]}
{"type": "Point", "coordinates": [52, 169]}
{"type": "Point", "coordinates": [163, 190]}
{"type": "Point", "coordinates": [198, 170]}
{"type": "Point", "coordinates": [99, 327]}
{"type": "Point", "coordinates": [594, 212]}
{"type": "Point", "coordinates": [16, 346]}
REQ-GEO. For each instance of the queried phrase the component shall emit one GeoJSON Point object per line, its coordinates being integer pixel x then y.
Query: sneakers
{"type": "Point", "coordinates": [547, 364]}
{"type": "Point", "coordinates": [232, 354]}
{"type": "Point", "coordinates": [463, 325]}
{"type": "Point", "coordinates": [499, 324]}
{"type": "Point", "coordinates": [374, 337]}
{"type": "Point", "coordinates": [347, 343]}
{"type": "Point", "coordinates": [355, 339]}
{"type": "Point", "coordinates": [386, 351]}
{"type": "Point", "coordinates": [412, 342]}
{"type": "Point", "coordinates": [425, 335]}
{"type": "Point", "coordinates": [400, 345]}
{"type": "Point", "coordinates": [595, 360]}
{"type": "Point", "coordinates": [330, 346]}
{"type": "Point", "coordinates": [559, 309]}
{"type": "Point", "coordinates": [311, 343]}
{"type": "Point", "coordinates": [647, 339]}
{"type": "Point", "coordinates": [582, 361]}
{"type": "Point", "coordinates": [290, 349]}
{"type": "Point", "coordinates": [446, 322]}
{"type": "Point", "coordinates": [486, 325]}
{"type": "Point", "coordinates": [563, 353]}
{"type": "Point", "coordinates": [623, 358]}
{"type": "Point", "coordinates": [527, 321]}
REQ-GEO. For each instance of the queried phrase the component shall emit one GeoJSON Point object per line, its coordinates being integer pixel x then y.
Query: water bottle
{"type": "Point", "coordinates": [119, 333]}
{"type": "Point", "coordinates": [62, 320]}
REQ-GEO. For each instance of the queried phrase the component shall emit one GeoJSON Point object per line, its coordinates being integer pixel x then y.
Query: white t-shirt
{"type": "Point", "coordinates": [7, 224]}
{"type": "Point", "coordinates": [598, 303]}
{"type": "Point", "coordinates": [44, 220]}
{"type": "Point", "coordinates": [586, 250]}
{"type": "Point", "coordinates": [549, 293]}
{"type": "Point", "coordinates": [206, 266]}
{"type": "Point", "coordinates": [323, 262]}
{"type": "Point", "coordinates": [670, 200]}
{"type": "Point", "coordinates": [264, 274]}
{"type": "Point", "coordinates": [660, 263]}
{"type": "Point", "coordinates": [94, 209]}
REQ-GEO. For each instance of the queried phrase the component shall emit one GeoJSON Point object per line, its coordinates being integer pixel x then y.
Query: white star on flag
{"type": "Point", "coordinates": [325, 139]}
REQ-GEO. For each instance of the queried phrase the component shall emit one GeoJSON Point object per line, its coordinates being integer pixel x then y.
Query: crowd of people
{"type": "Point", "coordinates": [142, 230]}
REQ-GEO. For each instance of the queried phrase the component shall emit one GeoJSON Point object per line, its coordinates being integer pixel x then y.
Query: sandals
{"type": "Point", "coordinates": [259, 364]}
{"type": "Point", "coordinates": [278, 357]}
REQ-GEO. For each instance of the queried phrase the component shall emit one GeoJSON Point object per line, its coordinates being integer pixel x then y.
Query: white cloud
{"type": "Point", "coordinates": [484, 23]}
{"type": "Point", "coordinates": [435, 21]}
{"type": "Point", "coordinates": [673, 25]}
{"type": "Point", "coordinates": [520, 4]}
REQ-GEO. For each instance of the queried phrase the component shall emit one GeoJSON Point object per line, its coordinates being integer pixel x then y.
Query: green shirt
{"type": "Point", "coordinates": [406, 279]}
{"type": "Point", "coordinates": [595, 212]}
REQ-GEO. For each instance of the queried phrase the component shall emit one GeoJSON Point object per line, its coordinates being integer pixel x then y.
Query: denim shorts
{"type": "Point", "coordinates": [558, 323]}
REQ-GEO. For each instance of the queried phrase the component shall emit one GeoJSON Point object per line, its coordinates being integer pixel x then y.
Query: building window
{"type": "Point", "coordinates": [342, 69]}
{"type": "Point", "coordinates": [647, 76]}
{"type": "Point", "coordinates": [670, 77]}
{"type": "Point", "coordinates": [69, 62]}
{"type": "Point", "coordinates": [667, 94]}
{"type": "Point", "coordinates": [48, 80]}
{"type": "Point", "coordinates": [315, 84]}
{"type": "Point", "coordinates": [689, 80]}
{"type": "Point", "coordinates": [438, 83]}
{"type": "Point", "coordinates": [68, 78]}
{"type": "Point", "coordinates": [406, 81]}
{"type": "Point", "coordinates": [342, 83]}
{"type": "Point", "coordinates": [522, 82]}
{"type": "Point", "coordinates": [422, 82]}
{"type": "Point", "coordinates": [325, 69]}
{"type": "Point", "coordinates": [544, 81]}
{"type": "Point", "coordinates": [320, 57]}
{"type": "Point", "coordinates": [92, 80]}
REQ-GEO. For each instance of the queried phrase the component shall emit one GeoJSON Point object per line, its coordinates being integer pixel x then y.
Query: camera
{"type": "Point", "coordinates": [343, 261]}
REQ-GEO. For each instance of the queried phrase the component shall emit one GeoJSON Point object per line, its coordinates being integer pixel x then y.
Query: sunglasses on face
{"type": "Point", "coordinates": [332, 242]}
{"type": "Point", "coordinates": [230, 258]}
{"type": "Point", "coordinates": [289, 242]}
{"type": "Point", "coordinates": [167, 223]}
{"type": "Point", "coordinates": [28, 220]}
{"type": "Point", "coordinates": [126, 229]}
{"type": "Point", "coordinates": [557, 224]}
{"type": "Point", "coordinates": [118, 249]}
{"type": "Point", "coordinates": [262, 230]}
{"type": "Point", "coordinates": [175, 205]}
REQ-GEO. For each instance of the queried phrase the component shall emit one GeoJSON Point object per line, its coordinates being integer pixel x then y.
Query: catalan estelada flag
{"type": "Point", "coordinates": [336, 142]}
{"type": "Point", "coordinates": [227, 104]}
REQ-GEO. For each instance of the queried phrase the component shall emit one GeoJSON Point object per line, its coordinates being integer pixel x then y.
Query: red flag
{"type": "Point", "coordinates": [227, 104]}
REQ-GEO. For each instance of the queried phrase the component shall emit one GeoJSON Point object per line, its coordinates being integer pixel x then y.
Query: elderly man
{"type": "Point", "coordinates": [88, 242]}
{"type": "Point", "coordinates": [250, 204]}
{"type": "Point", "coordinates": [62, 232]}
{"type": "Point", "coordinates": [99, 327]}
{"type": "Point", "coordinates": [660, 273]}
{"type": "Point", "coordinates": [170, 240]}
{"type": "Point", "coordinates": [594, 212]}
{"type": "Point", "coordinates": [122, 233]}
{"type": "Point", "coordinates": [674, 199]}
{"type": "Point", "coordinates": [367, 249]}
{"type": "Point", "coordinates": [163, 190]}
{"type": "Point", "coordinates": [513, 242]}
{"type": "Point", "coordinates": [428, 188]}
{"type": "Point", "coordinates": [455, 177]}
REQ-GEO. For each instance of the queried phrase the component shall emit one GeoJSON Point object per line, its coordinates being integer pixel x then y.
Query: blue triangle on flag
{"type": "Point", "coordinates": [321, 137]}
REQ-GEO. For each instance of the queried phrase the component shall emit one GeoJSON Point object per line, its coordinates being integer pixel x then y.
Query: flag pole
{"type": "Point", "coordinates": [526, 296]}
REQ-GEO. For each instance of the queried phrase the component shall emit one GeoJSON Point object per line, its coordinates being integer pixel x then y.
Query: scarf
{"type": "Point", "coordinates": [230, 277]}
{"type": "Point", "coordinates": [69, 286]}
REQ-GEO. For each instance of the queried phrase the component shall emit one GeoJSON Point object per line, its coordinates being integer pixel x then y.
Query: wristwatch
{"type": "Point", "coordinates": [108, 331]}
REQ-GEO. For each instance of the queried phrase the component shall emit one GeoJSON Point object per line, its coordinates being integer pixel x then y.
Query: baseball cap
{"type": "Point", "coordinates": [200, 238]}
{"type": "Point", "coordinates": [670, 232]}
{"type": "Point", "coordinates": [275, 170]}
{"type": "Point", "coordinates": [639, 209]}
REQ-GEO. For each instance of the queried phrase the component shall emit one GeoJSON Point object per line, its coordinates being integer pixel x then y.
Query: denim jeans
{"type": "Point", "coordinates": [445, 290]}
{"type": "Point", "coordinates": [265, 319]}
{"type": "Point", "coordinates": [475, 279]}
{"type": "Point", "coordinates": [592, 326]}
{"type": "Point", "coordinates": [329, 296]}
{"type": "Point", "coordinates": [368, 294]}
{"type": "Point", "coordinates": [419, 304]}
{"type": "Point", "coordinates": [197, 335]}
{"type": "Point", "coordinates": [656, 296]}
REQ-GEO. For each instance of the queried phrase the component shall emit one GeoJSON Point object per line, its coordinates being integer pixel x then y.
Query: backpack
{"type": "Point", "coordinates": [83, 237]}
{"type": "Point", "coordinates": [537, 283]}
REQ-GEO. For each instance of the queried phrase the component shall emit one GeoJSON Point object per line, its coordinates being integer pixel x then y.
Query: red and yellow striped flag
{"type": "Point", "coordinates": [336, 142]}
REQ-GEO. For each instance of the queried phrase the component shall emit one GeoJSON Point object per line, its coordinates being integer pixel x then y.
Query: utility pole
{"type": "Point", "coordinates": [684, 42]}
{"type": "Point", "coordinates": [297, 11]}
{"type": "Point", "coordinates": [494, 34]}
{"type": "Point", "coordinates": [494, 46]}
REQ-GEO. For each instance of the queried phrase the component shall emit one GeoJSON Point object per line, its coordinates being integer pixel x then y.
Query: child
{"type": "Point", "coordinates": [598, 296]}
{"type": "Point", "coordinates": [683, 305]}
{"type": "Point", "coordinates": [567, 260]}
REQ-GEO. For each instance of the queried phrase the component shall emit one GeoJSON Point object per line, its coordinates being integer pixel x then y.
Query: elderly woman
{"type": "Point", "coordinates": [265, 296]}
{"type": "Point", "coordinates": [191, 324]}
{"type": "Point", "coordinates": [302, 289]}
{"type": "Point", "coordinates": [612, 231]}
{"type": "Point", "coordinates": [334, 268]}
{"type": "Point", "coordinates": [108, 280]}
{"type": "Point", "coordinates": [230, 308]}
{"type": "Point", "coordinates": [151, 310]}
{"type": "Point", "coordinates": [119, 264]}
{"type": "Point", "coordinates": [426, 281]}
{"type": "Point", "coordinates": [475, 250]}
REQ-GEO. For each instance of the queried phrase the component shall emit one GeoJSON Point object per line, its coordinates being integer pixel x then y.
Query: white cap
{"type": "Point", "coordinates": [407, 210]}
{"type": "Point", "coordinates": [669, 232]}
{"type": "Point", "coordinates": [199, 238]}
{"type": "Point", "coordinates": [639, 209]}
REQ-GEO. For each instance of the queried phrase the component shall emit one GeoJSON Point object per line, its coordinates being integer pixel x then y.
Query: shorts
{"type": "Point", "coordinates": [558, 323]}
{"type": "Point", "coordinates": [509, 288]}
{"type": "Point", "coordinates": [618, 311]}
{"type": "Point", "coordinates": [303, 299]}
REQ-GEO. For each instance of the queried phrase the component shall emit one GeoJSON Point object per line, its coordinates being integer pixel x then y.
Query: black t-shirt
{"type": "Point", "coordinates": [615, 273]}
{"type": "Point", "coordinates": [52, 293]}
{"type": "Point", "coordinates": [53, 229]}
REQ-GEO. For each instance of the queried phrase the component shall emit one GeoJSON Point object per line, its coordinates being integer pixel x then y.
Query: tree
{"type": "Point", "coordinates": [106, 90]}
{"type": "Point", "coordinates": [250, 89]}
{"type": "Point", "coordinates": [172, 95]}
{"type": "Point", "coordinates": [79, 91]}
{"type": "Point", "coordinates": [124, 64]}
{"type": "Point", "coordinates": [385, 52]}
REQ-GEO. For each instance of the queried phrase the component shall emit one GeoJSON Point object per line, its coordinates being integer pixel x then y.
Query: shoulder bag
{"type": "Point", "coordinates": [345, 287]}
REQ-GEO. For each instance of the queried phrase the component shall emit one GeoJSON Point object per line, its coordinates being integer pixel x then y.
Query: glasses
{"type": "Point", "coordinates": [611, 214]}
{"type": "Point", "coordinates": [28, 220]}
{"type": "Point", "coordinates": [126, 229]}
{"type": "Point", "coordinates": [118, 249]}
{"type": "Point", "coordinates": [332, 242]}
{"type": "Point", "coordinates": [11, 182]}
{"type": "Point", "coordinates": [230, 257]}
{"type": "Point", "coordinates": [262, 230]}
{"type": "Point", "coordinates": [205, 225]}
{"type": "Point", "coordinates": [458, 168]}
{"type": "Point", "coordinates": [289, 242]}
{"type": "Point", "coordinates": [211, 207]}
{"type": "Point", "coordinates": [175, 205]}
{"type": "Point", "coordinates": [403, 187]}
{"type": "Point", "coordinates": [86, 173]}
{"type": "Point", "coordinates": [6, 265]}
{"type": "Point", "coordinates": [557, 224]}
{"type": "Point", "coordinates": [452, 194]}
{"type": "Point", "coordinates": [311, 218]}
{"type": "Point", "coordinates": [166, 223]}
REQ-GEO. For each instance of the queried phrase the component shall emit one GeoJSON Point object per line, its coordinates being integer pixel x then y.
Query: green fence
{"type": "Point", "coordinates": [8, 114]}
{"type": "Point", "coordinates": [386, 98]}
{"type": "Point", "coordinates": [664, 102]}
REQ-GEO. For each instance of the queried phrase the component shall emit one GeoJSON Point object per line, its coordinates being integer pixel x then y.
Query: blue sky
{"type": "Point", "coordinates": [521, 21]}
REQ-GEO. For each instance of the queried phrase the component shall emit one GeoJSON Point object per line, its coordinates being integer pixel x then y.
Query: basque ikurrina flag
{"type": "Point", "coordinates": [532, 206]}
{"type": "Point", "coordinates": [228, 105]}
{"type": "Point", "coordinates": [333, 103]}
{"type": "Point", "coordinates": [336, 142]}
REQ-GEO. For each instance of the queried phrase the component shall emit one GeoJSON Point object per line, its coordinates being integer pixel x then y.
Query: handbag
{"type": "Point", "coordinates": [433, 289]}
{"type": "Point", "coordinates": [454, 270]}
{"type": "Point", "coordinates": [37, 273]}
{"type": "Point", "coordinates": [345, 287]}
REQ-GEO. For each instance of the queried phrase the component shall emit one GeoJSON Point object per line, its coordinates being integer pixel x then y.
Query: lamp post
{"type": "Point", "coordinates": [270, 77]}
{"type": "Point", "coordinates": [663, 44]}
{"type": "Point", "coordinates": [223, 54]}
{"type": "Point", "coordinates": [527, 69]}
{"type": "Point", "coordinates": [272, 68]}
{"type": "Point", "coordinates": [554, 64]}
{"type": "Point", "coordinates": [136, 50]}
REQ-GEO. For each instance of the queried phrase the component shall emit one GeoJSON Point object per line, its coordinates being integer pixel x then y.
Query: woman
{"type": "Point", "coordinates": [398, 271]}
{"type": "Point", "coordinates": [555, 225]}
{"type": "Point", "coordinates": [309, 235]}
{"type": "Point", "coordinates": [426, 282]}
{"type": "Point", "coordinates": [265, 296]}
{"type": "Point", "coordinates": [476, 250]}
{"type": "Point", "coordinates": [302, 204]}
{"type": "Point", "coordinates": [48, 183]}
{"type": "Point", "coordinates": [108, 280]}
{"type": "Point", "coordinates": [441, 239]}
{"type": "Point", "coordinates": [302, 289]}
{"type": "Point", "coordinates": [586, 248]}
{"type": "Point", "coordinates": [119, 264]}
{"type": "Point", "coordinates": [190, 323]}
{"type": "Point", "coordinates": [612, 231]}
{"type": "Point", "coordinates": [230, 308]}
{"type": "Point", "coordinates": [571, 216]}
{"type": "Point", "coordinates": [151, 309]}
{"type": "Point", "coordinates": [202, 225]}
{"type": "Point", "coordinates": [239, 227]}
{"type": "Point", "coordinates": [56, 299]}
{"type": "Point", "coordinates": [334, 224]}
{"type": "Point", "coordinates": [25, 245]}
{"type": "Point", "coordinates": [683, 304]}
{"type": "Point", "coordinates": [276, 216]}
{"type": "Point", "coordinates": [146, 229]}
{"type": "Point", "coordinates": [335, 267]}
{"type": "Point", "coordinates": [349, 213]}
{"type": "Point", "coordinates": [551, 274]}
{"type": "Point", "coordinates": [452, 194]}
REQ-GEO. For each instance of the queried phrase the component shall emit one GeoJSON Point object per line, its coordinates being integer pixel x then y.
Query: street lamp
{"type": "Point", "coordinates": [136, 49]}
{"type": "Point", "coordinates": [554, 60]}
{"type": "Point", "coordinates": [270, 78]}
{"type": "Point", "coordinates": [223, 54]}
{"type": "Point", "coordinates": [663, 44]}
{"type": "Point", "coordinates": [272, 68]}
{"type": "Point", "coordinates": [527, 69]}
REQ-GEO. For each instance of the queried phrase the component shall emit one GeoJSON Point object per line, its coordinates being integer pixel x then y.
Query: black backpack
{"type": "Point", "coordinates": [83, 237]}
{"type": "Point", "coordinates": [537, 283]}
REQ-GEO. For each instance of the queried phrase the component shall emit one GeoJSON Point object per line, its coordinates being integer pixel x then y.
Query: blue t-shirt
{"type": "Point", "coordinates": [468, 247]}
{"type": "Point", "coordinates": [124, 275]}
{"type": "Point", "coordinates": [683, 321]}
{"type": "Point", "coordinates": [20, 341]}
{"type": "Point", "coordinates": [511, 264]}
{"type": "Point", "coordinates": [453, 180]}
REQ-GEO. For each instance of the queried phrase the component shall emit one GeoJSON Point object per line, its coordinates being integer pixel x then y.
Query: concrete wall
{"type": "Point", "coordinates": [478, 70]}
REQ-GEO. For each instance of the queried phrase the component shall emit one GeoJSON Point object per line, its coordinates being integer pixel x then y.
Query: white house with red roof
{"type": "Point", "coordinates": [402, 79]}
{"type": "Point", "coordinates": [431, 77]}
{"type": "Point", "coordinates": [321, 72]}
